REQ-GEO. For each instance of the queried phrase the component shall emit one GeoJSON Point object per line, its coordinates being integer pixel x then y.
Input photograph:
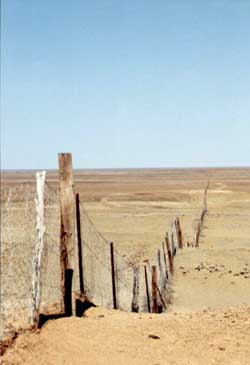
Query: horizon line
{"type": "Point", "coordinates": [130, 168]}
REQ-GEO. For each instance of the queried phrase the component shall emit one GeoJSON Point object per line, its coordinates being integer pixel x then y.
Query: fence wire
{"type": "Point", "coordinates": [51, 297]}
{"type": "Point", "coordinates": [97, 267]}
{"type": "Point", "coordinates": [19, 249]}
{"type": "Point", "coordinates": [18, 234]}
{"type": "Point", "coordinates": [97, 271]}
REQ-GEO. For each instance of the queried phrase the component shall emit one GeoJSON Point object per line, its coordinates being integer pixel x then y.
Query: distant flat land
{"type": "Point", "coordinates": [135, 207]}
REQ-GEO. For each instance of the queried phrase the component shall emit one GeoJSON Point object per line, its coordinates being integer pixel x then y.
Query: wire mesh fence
{"type": "Point", "coordinates": [51, 294]}
{"type": "Point", "coordinates": [130, 283]}
{"type": "Point", "coordinates": [18, 233]}
{"type": "Point", "coordinates": [31, 273]}
{"type": "Point", "coordinates": [18, 252]}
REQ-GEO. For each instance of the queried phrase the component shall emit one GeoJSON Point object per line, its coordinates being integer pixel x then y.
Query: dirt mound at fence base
{"type": "Point", "coordinates": [111, 337]}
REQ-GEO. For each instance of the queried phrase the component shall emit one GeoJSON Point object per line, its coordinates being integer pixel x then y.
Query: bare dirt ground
{"type": "Point", "coordinates": [208, 320]}
{"type": "Point", "coordinates": [113, 337]}
{"type": "Point", "coordinates": [219, 271]}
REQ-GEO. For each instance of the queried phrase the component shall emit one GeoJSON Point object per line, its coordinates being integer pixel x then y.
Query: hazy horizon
{"type": "Point", "coordinates": [134, 168]}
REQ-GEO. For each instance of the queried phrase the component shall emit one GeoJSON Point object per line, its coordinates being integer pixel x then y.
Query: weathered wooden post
{"type": "Point", "coordinates": [113, 274]}
{"type": "Point", "coordinates": [161, 274]}
{"type": "Point", "coordinates": [174, 250]}
{"type": "Point", "coordinates": [67, 239]}
{"type": "Point", "coordinates": [205, 197]}
{"type": "Point", "coordinates": [147, 291]}
{"type": "Point", "coordinates": [170, 257]}
{"type": "Point", "coordinates": [197, 235]}
{"type": "Point", "coordinates": [135, 300]}
{"type": "Point", "coordinates": [154, 289]}
{"type": "Point", "coordinates": [165, 259]}
{"type": "Point", "coordinates": [161, 298]}
{"type": "Point", "coordinates": [37, 261]}
{"type": "Point", "coordinates": [79, 241]}
{"type": "Point", "coordinates": [179, 233]}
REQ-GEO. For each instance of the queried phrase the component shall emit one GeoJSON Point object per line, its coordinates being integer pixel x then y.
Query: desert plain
{"type": "Point", "coordinates": [208, 319]}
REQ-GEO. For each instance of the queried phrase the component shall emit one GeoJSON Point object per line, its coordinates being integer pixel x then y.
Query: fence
{"type": "Point", "coordinates": [44, 255]}
{"type": "Point", "coordinates": [49, 263]}
{"type": "Point", "coordinates": [18, 233]}
{"type": "Point", "coordinates": [131, 289]}
{"type": "Point", "coordinates": [30, 269]}
{"type": "Point", "coordinates": [201, 218]}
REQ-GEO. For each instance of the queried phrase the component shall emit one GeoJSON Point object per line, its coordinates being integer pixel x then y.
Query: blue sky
{"type": "Point", "coordinates": [125, 83]}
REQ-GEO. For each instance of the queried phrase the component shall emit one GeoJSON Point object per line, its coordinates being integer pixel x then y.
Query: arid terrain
{"type": "Point", "coordinates": [208, 320]}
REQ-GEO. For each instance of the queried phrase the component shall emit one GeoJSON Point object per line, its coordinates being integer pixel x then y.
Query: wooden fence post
{"type": "Point", "coordinates": [161, 298]}
{"type": "Point", "coordinates": [161, 275]}
{"type": "Point", "coordinates": [154, 289]}
{"type": "Point", "coordinates": [197, 235]}
{"type": "Point", "coordinates": [179, 233]}
{"type": "Point", "coordinates": [202, 217]}
{"type": "Point", "coordinates": [40, 228]}
{"type": "Point", "coordinates": [135, 300]}
{"type": "Point", "coordinates": [79, 241]}
{"type": "Point", "coordinates": [147, 291]}
{"type": "Point", "coordinates": [170, 257]}
{"type": "Point", "coordinates": [113, 274]}
{"type": "Point", "coordinates": [165, 259]}
{"type": "Point", "coordinates": [205, 197]}
{"type": "Point", "coordinates": [173, 246]}
{"type": "Point", "coordinates": [67, 239]}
